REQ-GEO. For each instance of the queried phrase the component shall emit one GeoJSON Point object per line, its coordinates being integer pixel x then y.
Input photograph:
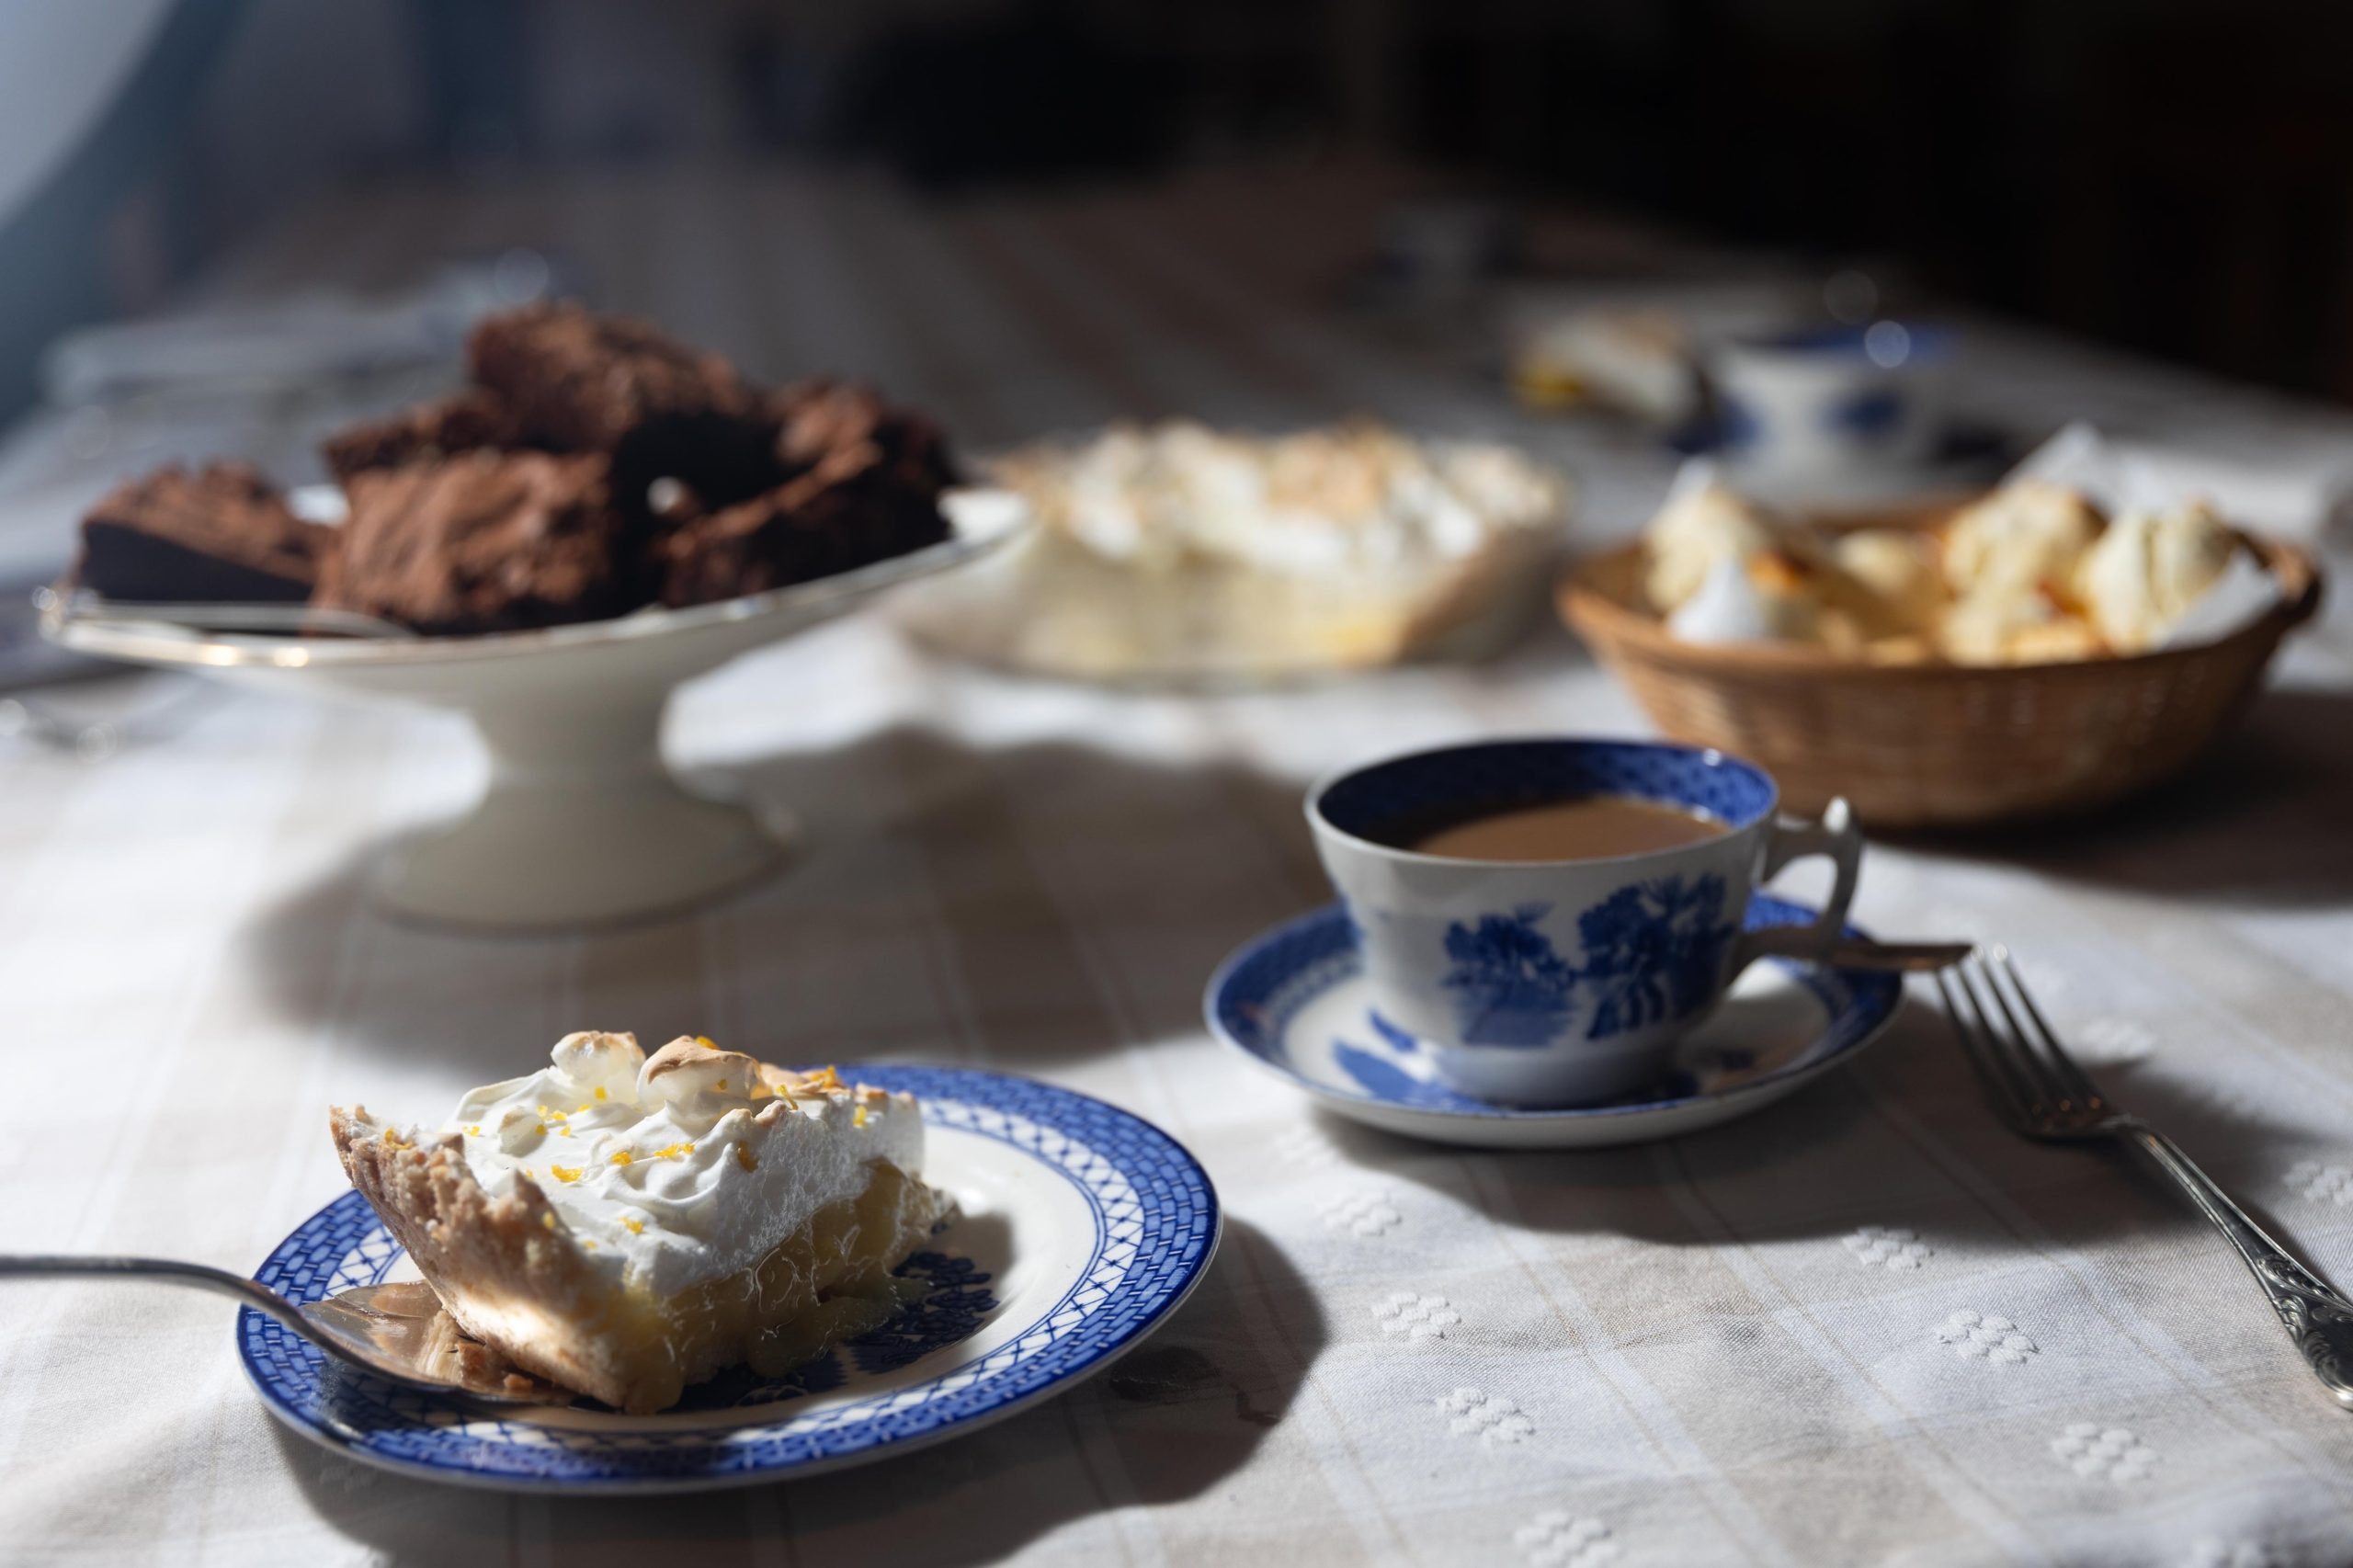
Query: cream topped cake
{"type": "Point", "coordinates": [1179, 551]}
{"type": "Point", "coordinates": [628, 1225]}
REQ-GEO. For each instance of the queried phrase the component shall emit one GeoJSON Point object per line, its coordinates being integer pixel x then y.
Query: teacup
{"type": "Point", "coordinates": [1563, 981]}
{"type": "Point", "coordinates": [1837, 398]}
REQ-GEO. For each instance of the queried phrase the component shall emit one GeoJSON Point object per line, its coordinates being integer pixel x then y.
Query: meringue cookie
{"type": "Point", "coordinates": [2244, 593]}
{"type": "Point", "coordinates": [2146, 572]}
{"type": "Point", "coordinates": [2027, 535]}
{"type": "Point", "coordinates": [1702, 526]}
{"type": "Point", "coordinates": [1897, 569]}
{"type": "Point", "coordinates": [1731, 605]}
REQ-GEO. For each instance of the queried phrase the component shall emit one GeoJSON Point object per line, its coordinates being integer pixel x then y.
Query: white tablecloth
{"type": "Point", "coordinates": [1865, 1326]}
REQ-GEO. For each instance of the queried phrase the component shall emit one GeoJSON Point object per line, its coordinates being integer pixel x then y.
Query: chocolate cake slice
{"type": "Point", "coordinates": [813, 526]}
{"type": "Point", "coordinates": [864, 485]}
{"type": "Point", "coordinates": [485, 542]}
{"type": "Point", "coordinates": [818, 417]}
{"type": "Point", "coordinates": [219, 535]}
{"type": "Point", "coordinates": [578, 382]}
{"type": "Point", "coordinates": [458, 423]}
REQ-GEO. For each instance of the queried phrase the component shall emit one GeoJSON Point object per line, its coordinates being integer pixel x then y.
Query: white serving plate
{"type": "Point", "coordinates": [582, 823]}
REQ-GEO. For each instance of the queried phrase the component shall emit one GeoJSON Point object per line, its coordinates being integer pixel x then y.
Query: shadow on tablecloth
{"type": "Point", "coordinates": [1179, 1415]}
{"type": "Point", "coordinates": [1901, 1137]}
{"type": "Point", "coordinates": [2258, 822]}
{"type": "Point", "coordinates": [1019, 907]}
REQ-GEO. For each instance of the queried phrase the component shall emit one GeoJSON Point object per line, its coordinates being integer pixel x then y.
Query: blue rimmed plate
{"type": "Point", "coordinates": [1294, 1001]}
{"type": "Point", "coordinates": [1082, 1227]}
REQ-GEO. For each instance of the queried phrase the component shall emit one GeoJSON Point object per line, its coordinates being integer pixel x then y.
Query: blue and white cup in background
{"type": "Point", "coordinates": [1832, 398]}
{"type": "Point", "coordinates": [1564, 982]}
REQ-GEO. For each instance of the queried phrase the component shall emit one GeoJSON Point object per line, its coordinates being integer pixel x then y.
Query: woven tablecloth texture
{"type": "Point", "coordinates": [1867, 1326]}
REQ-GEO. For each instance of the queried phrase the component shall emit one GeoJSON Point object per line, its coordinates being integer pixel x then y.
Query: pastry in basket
{"type": "Point", "coordinates": [2048, 647]}
{"type": "Point", "coordinates": [628, 1226]}
{"type": "Point", "coordinates": [2147, 574]}
{"type": "Point", "coordinates": [2032, 574]}
{"type": "Point", "coordinates": [591, 467]}
{"type": "Point", "coordinates": [1726, 571]}
{"type": "Point", "coordinates": [1183, 553]}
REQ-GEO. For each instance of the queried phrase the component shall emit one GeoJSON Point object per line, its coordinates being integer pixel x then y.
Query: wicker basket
{"type": "Point", "coordinates": [1934, 745]}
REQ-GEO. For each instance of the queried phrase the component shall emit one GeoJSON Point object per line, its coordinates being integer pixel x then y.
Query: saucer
{"type": "Point", "coordinates": [1294, 1001]}
{"type": "Point", "coordinates": [1080, 1229]}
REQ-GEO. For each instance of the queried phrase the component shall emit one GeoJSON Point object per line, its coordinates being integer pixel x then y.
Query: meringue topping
{"type": "Point", "coordinates": [681, 1168]}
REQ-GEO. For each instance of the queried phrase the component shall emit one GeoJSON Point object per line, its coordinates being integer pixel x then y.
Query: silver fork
{"type": "Point", "coordinates": [2037, 1086]}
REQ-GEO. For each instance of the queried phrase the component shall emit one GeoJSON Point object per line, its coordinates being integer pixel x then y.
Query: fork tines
{"type": "Point", "coordinates": [2017, 1055]}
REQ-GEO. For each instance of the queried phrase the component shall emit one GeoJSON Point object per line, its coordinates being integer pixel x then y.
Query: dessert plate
{"type": "Point", "coordinates": [1082, 1227]}
{"type": "Point", "coordinates": [581, 824]}
{"type": "Point", "coordinates": [1294, 1001]}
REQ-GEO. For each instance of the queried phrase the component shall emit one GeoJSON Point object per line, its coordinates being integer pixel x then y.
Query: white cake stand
{"type": "Point", "coordinates": [582, 823]}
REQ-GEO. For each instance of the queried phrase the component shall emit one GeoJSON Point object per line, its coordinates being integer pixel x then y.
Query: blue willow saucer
{"type": "Point", "coordinates": [1293, 1000]}
{"type": "Point", "coordinates": [1080, 1229]}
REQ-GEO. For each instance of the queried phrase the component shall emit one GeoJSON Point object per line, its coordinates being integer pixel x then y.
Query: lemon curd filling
{"type": "Point", "coordinates": [695, 1209]}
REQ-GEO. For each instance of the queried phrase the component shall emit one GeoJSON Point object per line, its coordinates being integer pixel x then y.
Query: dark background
{"type": "Point", "coordinates": [2168, 175]}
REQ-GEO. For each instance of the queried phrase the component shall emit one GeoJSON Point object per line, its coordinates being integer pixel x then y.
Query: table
{"type": "Point", "coordinates": [1867, 1326]}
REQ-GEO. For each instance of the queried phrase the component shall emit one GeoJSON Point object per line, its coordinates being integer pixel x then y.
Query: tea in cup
{"type": "Point", "coordinates": [1550, 916]}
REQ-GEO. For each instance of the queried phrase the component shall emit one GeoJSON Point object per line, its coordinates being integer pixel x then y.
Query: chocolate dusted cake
{"type": "Point", "coordinates": [593, 466]}
{"type": "Point", "coordinates": [221, 535]}
{"type": "Point", "coordinates": [463, 422]}
{"type": "Point", "coordinates": [577, 382]}
{"type": "Point", "coordinates": [809, 528]}
{"type": "Point", "coordinates": [485, 542]}
{"type": "Point", "coordinates": [864, 485]}
{"type": "Point", "coordinates": [820, 417]}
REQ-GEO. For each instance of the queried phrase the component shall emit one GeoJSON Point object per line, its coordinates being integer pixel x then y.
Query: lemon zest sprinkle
{"type": "Point", "coordinates": [565, 1173]}
{"type": "Point", "coordinates": [858, 1117]}
{"type": "Point", "coordinates": [623, 1157]}
{"type": "Point", "coordinates": [705, 1041]}
{"type": "Point", "coordinates": [743, 1157]}
{"type": "Point", "coordinates": [600, 1091]}
{"type": "Point", "coordinates": [636, 1227]}
{"type": "Point", "coordinates": [547, 1219]}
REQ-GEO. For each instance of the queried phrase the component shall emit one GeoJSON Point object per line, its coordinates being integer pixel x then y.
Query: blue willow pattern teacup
{"type": "Point", "coordinates": [1554, 982]}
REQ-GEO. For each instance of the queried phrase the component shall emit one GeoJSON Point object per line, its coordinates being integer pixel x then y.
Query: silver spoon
{"type": "Point", "coordinates": [397, 1331]}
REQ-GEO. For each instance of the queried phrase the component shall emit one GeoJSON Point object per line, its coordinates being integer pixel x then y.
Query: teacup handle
{"type": "Point", "coordinates": [1834, 835]}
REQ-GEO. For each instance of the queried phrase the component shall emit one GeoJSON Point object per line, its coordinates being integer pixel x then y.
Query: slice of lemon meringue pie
{"type": "Point", "coordinates": [628, 1226]}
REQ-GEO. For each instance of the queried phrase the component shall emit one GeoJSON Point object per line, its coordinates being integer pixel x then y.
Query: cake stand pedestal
{"type": "Point", "coordinates": [583, 824]}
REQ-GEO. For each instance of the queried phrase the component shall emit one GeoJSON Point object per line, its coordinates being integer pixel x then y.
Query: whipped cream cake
{"type": "Point", "coordinates": [1187, 553]}
{"type": "Point", "coordinates": [628, 1226]}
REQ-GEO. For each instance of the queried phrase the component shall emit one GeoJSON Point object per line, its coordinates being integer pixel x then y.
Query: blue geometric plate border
{"type": "Point", "coordinates": [1263, 985]}
{"type": "Point", "coordinates": [1157, 1223]}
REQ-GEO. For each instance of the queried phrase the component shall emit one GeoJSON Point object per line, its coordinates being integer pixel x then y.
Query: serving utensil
{"type": "Point", "coordinates": [396, 1331]}
{"type": "Point", "coordinates": [2037, 1088]}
